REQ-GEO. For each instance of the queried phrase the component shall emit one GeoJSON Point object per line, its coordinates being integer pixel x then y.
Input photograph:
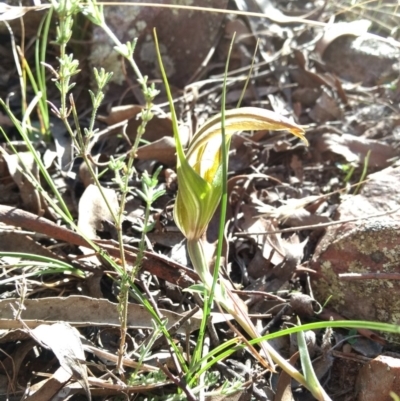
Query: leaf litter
{"type": "Point", "coordinates": [276, 185]}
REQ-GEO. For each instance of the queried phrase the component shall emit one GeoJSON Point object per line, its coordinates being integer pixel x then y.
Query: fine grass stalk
{"type": "Point", "coordinates": [40, 59]}
{"type": "Point", "coordinates": [94, 12]}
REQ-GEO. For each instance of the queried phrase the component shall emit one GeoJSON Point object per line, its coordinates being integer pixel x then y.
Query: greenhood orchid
{"type": "Point", "coordinates": [199, 170]}
{"type": "Point", "coordinates": [200, 187]}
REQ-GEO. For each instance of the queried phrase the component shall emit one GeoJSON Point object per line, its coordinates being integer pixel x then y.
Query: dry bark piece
{"type": "Point", "coordinates": [48, 388]}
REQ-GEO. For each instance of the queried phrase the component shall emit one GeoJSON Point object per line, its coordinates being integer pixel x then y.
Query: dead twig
{"type": "Point", "coordinates": [156, 264]}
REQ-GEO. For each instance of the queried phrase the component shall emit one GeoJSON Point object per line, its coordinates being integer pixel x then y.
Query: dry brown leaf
{"type": "Point", "coordinates": [120, 113]}
{"type": "Point", "coordinates": [84, 172]}
{"type": "Point", "coordinates": [302, 217]}
{"type": "Point", "coordinates": [286, 210]}
{"type": "Point", "coordinates": [293, 212]}
{"type": "Point", "coordinates": [334, 31]}
{"type": "Point", "coordinates": [30, 196]}
{"type": "Point", "coordinates": [284, 386]}
{"type": "Point", "coordinates": [63, 146]}
{"type": "Point", "coordinates": [4, 119]}
{"type": "Point", "coordinates": [163, 150]}
{"type": "Point", "coordinates": [94, 213]}
{"type": "Point", "coordinates": [354, 149]}
{"type": "Point", "coordinates": [302, 304]}
{"type": "Point", "coordinates": [268, 243]}
{"type": "Point", "coordinates": [326, 109]}
{"type": "Point", "coordinates": [293, 251]}
{"type": "Point", "coordinates": [258, 266]}
{"type": "Point", "coordinates": [15, 242]}
{"type": "Point", "coordinates": [186, 37]}
{"type": "Point", "coordinates": [15, 363]}
{"type": "Point", "coordinates": [366, 59]}
{"type": "Point", "coordinates": [156, 128]}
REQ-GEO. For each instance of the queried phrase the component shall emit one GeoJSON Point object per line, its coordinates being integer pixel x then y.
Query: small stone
{"type": "Point", "coordinates": [369, 246]}
{"type": "Point", "coordinates": [367, 59]}
{"type": "Point", "coordinates": [378, 378]}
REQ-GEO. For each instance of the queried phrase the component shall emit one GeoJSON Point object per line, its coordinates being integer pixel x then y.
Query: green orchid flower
{"type": "Point", "coordinates": [199, 173]}
{"type": "Point", "coordinates": [200, 169]}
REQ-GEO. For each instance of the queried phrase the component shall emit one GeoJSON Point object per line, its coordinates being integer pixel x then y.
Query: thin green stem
{"type": "Point", "coordinates": [224, 158]}
{"type": "Point", "coordinates": [40, 58]}
{"type": "Point", "coordinates": [131, 60]}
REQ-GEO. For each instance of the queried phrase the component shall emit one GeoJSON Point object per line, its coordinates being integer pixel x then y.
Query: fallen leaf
{"type": "Point", "coordinates": [334, 31]}
{"type": "Point", "coordinates": [194, 31]}
{"type": "Point", "coordinates": [270, 244]}
{"type": "Point", "coordinates": [8, 12]}
{"type": "Point", "coordinates": [326, 109]}
{"type": "Point", "coordinates": [83, 311]}
{"type": "Point", "coordinates": [354, 149]}
{"type": "Point", "coordinates": [156, 128]}
{"type": "Point", "coordinates": [93, 210]}
{"type": "Point", "coordinates": [64, 146]}
{"type": "Point", "coordinates": [284, 386]}
{"type": "Point", "coordinates": [163, 150]}
{"type": "Point", "coordinates": [66, 345]}
{"type": "Point", "coordinates": [15, 242]}
{"type": "Point", "coordinates": [30, 196]}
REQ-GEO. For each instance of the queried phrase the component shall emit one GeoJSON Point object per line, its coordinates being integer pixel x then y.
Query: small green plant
{"type": "Point", "coordinates": [36, 265]}
{"type": "Point", "coordinates": [66, 11]}
{"type": "Point", "coordinates": [94, 12]}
